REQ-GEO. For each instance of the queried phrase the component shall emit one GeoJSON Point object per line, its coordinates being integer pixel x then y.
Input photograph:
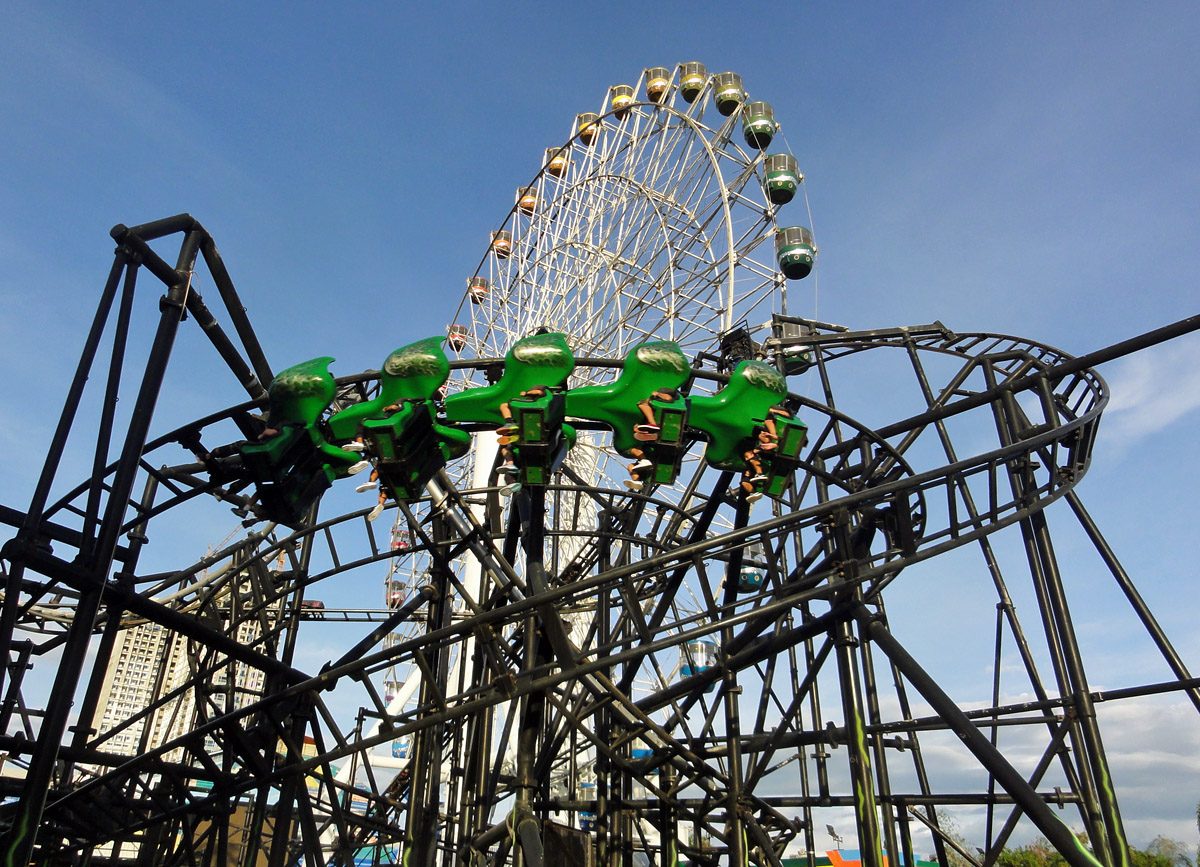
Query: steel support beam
{"type": "Point", "coordinates": [1059, 835]}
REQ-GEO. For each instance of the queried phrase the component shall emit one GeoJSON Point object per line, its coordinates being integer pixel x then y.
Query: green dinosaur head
{"type": "Point", "coordinates": [543, 350]}
{"type": "Point", "coordinates": [299, 394]}
{"type": "Point", "coordinates": [416, 370]}
{"type": "Point", "coordinates": [763, 376]}
{"type": "Point", "coordinates": [662, 355]}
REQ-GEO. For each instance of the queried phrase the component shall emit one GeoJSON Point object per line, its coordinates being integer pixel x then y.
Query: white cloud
{"type": "Point", "coordinates": [1152, 389]}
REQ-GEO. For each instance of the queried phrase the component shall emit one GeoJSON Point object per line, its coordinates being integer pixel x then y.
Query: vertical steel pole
{"type": "Point", "coordinates": [237, 312]}
{"type": "Point", "coordinates": [669, 812]}
{"type": "Point", "coordinates": [91, 699]}
{"type": "Point", "coordinates": [18, 842]}
{"type": "Point", "coordinates": [881, 768]}
{"type": "Point", "coordinates": [1081, 698]}
{"type": "Point", "coordinates": [286, 805]}
{"type": "Point", "coordinates": [420, 838]}
{"type": "Point", "coordinates": [845, 546]}
{"type": "Point", "coordinates": [603, 716]}
{"type": "Point", "coordinates": [865, 815]}
{"type": "Point", "coordinates": [731, 693]}
{"type": "Point", "coordinates": [537, 655]}
{"type": "Point", "coordinates": [108, 412]}
{"type": "Point", "coordinates": [1075, 761]}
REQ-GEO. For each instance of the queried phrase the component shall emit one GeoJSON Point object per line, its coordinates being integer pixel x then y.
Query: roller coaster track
{"type": "Point", "coordinates": [556, 662]}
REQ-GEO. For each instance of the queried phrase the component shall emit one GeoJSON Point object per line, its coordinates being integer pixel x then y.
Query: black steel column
{"type": "Point", "coordinates": [844, 547]}
{"type": "Point", "coordinates": [603, 714]}
{"type": "Point", "coordinates": [882, 775]}
{"type": "Point", "coordinates": [731, 693]}
{"type": "Point", "coordinates": [108, 411]}
{"type": "Point", "coordinates": [865, 812]}
{"type": "Point", "coordinates": [538, 655]}
{"type": "Point", "coordinates": [1081, 698]}
{"type": "Point", "coordinates": [669, 817]}
{"type": "Point", "coordinates": [256, 822]}
{"type": "Point", "coordinates": [1075, 760]}
{"type": "Point", "coordinates": [287, 803]}
{"type": "Point", "coordinates": [237, 312]}
{"type": "Point", "coordinates": [112, 626]}
{"type": "Point", "coordinates": [420, 835]}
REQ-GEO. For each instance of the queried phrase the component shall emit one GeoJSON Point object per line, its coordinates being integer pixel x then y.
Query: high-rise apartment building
{"type": "Point", "coordinates": [149, 662]}
{"type": "Point", "coordinates": [130, 684]}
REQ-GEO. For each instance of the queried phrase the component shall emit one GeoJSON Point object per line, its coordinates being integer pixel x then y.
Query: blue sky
{"type": "Point", "coordinates": [1022, 168]}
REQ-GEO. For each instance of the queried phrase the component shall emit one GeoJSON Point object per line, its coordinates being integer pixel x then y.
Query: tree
{"type": "Point", "coordinates": [1162, 852]}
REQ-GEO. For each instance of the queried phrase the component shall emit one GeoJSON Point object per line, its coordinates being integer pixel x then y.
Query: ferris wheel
{"type": "Point", "coordinates": [695, 664]}
{"type": "Point", "coordinates": [656, 219]}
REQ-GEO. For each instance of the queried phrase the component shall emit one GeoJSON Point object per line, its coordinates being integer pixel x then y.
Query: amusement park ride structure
{"type": "Point", "coordinates": [645, 621]}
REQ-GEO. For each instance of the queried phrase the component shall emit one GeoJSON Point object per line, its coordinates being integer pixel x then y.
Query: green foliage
{"type": "Point", "coordinates": [1142, 858]}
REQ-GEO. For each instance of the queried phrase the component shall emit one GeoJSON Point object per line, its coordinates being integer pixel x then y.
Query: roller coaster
{"type": "Point", "coordinates": [636, 556]}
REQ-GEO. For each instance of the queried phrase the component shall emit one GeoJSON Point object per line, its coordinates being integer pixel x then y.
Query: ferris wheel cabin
{"type": "Point", "coordinates": [527, 200]}
{"type": "Point", "coordinates": [758, 124]}
{"type": "Point", "coordinates": [658, 83]}
{"type": "Point", "coordinates": [620, 98]}
{"type": "Point", "coordinates": [729, 92]}
{"type": "Point", "coordinates": [477, 289]}
{"type": "Point", "coordinates": [783, 178]}
{"type": "Point", "coordinates": [457, 337]}
{"type": "Point", "coordinates": [692, 79]}
{"type": "Point", "coordinates": [753, 571]}
{"type": "Point", "coordinates": [502, 243]}
{"type": "Point", "coordinates": [556, 161]}
{"type": "Point", "coordinates": [795, 252]}
{"type": "Point", "coordinates": [587, 127]}
{"type": "Point", "coordinates": [698, 657]}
